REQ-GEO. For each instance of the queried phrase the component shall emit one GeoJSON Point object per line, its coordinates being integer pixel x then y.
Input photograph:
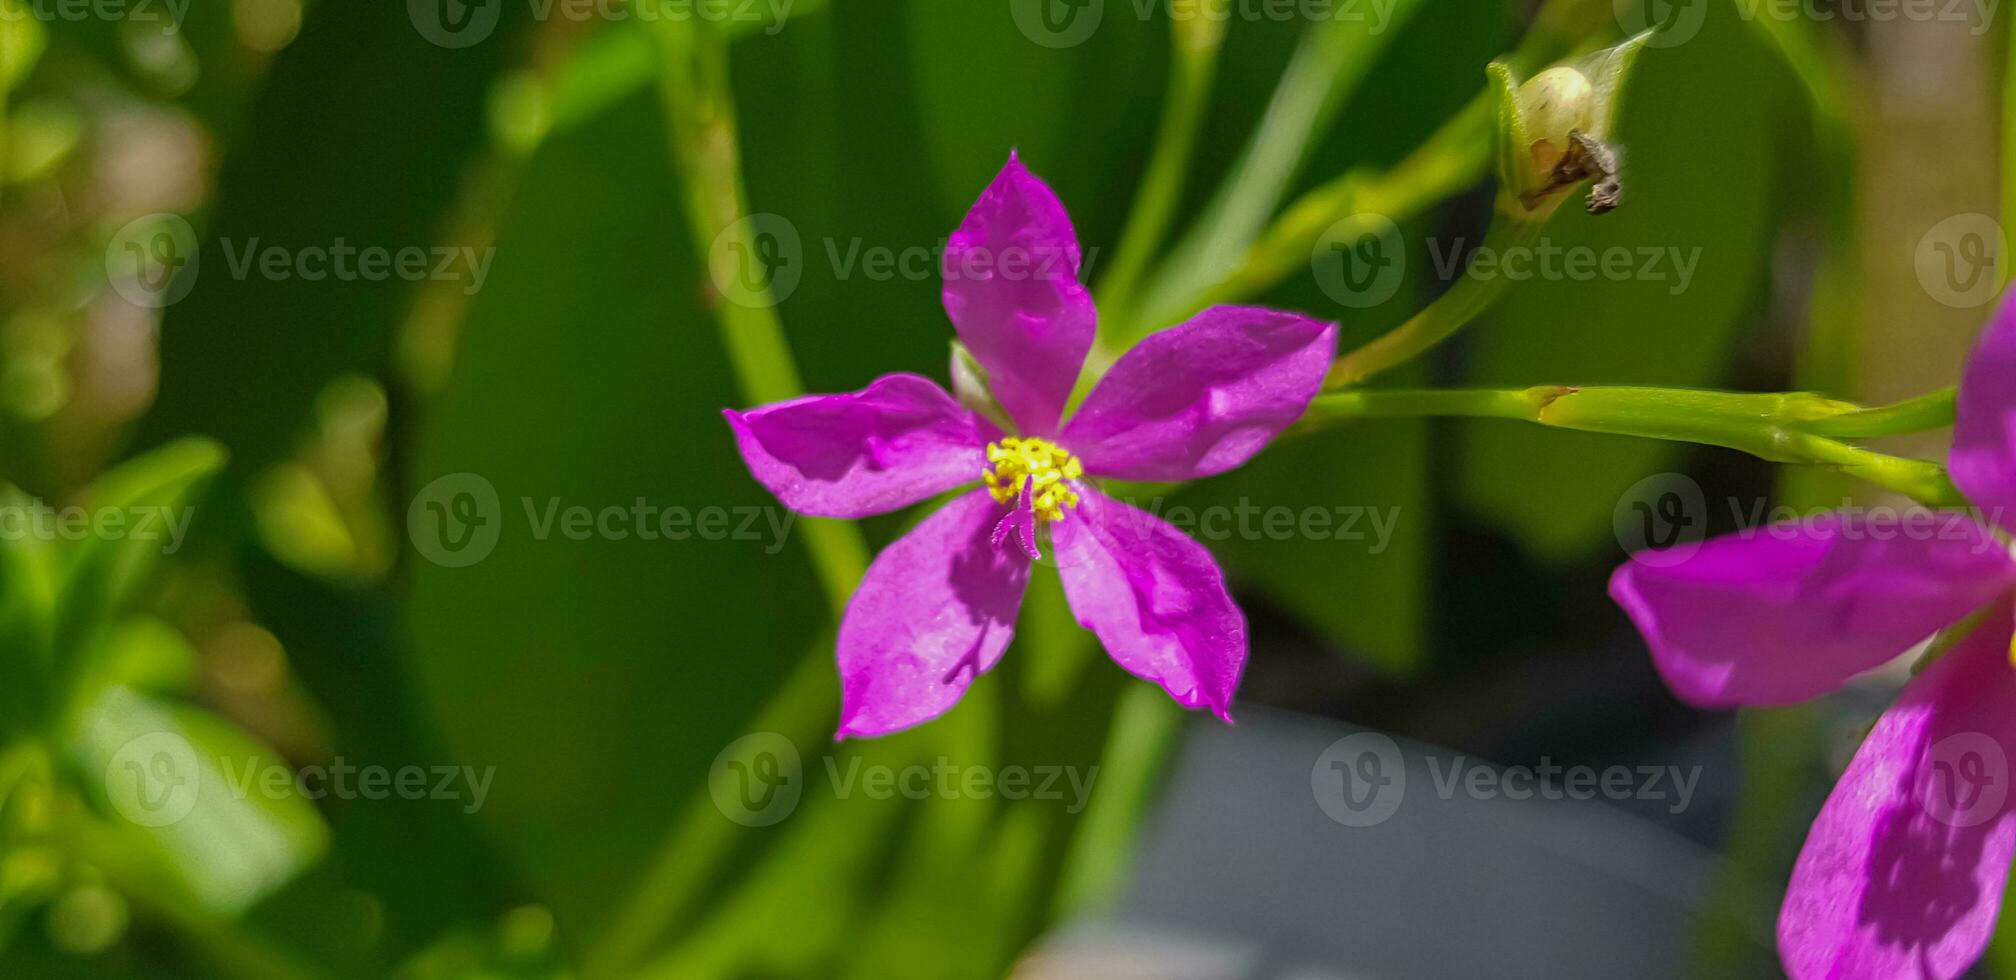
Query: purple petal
{"type": "Point", "coordinates": [898, 441]}
{"type": "Point", "coordinates": [1983, 460]}
{"type": "Point", "coordinates": [1790, 611]}
{"type": "Point", "coordinates": [1012, 291]}
{"type": "Point", "coordinates": [934, 612]}
{"type": "Point", "coordinates": [1202, 397]}
{"type": "Point", "coordinates": [1154, 598]}
{"type": "Point", "coordinates": [1902, 873]}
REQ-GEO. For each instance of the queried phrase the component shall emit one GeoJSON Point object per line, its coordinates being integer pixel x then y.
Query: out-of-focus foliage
{"type": "Point", "coordinates": [317, 432]}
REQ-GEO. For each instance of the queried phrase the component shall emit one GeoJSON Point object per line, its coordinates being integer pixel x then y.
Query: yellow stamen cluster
{"type": "Point", "coordinates": [1044, 467]}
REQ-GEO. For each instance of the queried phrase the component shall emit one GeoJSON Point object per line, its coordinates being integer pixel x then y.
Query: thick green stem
{"type": "Point", "coordinates": [1775, 427]}
{"type": "Point", "coordinates": [1438, 321]}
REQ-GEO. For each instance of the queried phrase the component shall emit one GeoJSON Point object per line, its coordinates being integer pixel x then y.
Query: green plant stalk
{"type": "Point", "coordinates": [693, 851]}
{"type": "Point", "coordinates": [1328, 64]}
{"type": "Point", "coordinates": [1455, 309]}
{"type": "Point", "coordinates": [1454, 157]}
{"type": "Point", "coordinates": [700, 120]}
{"type": "Point", "coordinates": [700, 115]}
{"type": "Point", "coordinates": [1194, 43]}
{"type": "Point", "coordinates": [1774, 427]}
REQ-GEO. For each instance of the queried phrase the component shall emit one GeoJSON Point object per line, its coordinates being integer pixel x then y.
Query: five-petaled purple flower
{"type": "Point", "coordinates": [938, 607]}
{"type": "Point", "coordinates": [1903, 871]}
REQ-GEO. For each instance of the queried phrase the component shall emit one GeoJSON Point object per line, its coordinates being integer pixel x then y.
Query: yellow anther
{"type": "Point", "coordinates": [1044, 468]}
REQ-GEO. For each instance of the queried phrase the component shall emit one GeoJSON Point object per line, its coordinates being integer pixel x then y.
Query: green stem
{"type": "Point", "coordinates": [1194, 42]}
{"type": "Point", "coordinates": [1438, 321]}
{"type": "Point", "coordinates": [700, 841]}
{"type": "Point", "coordinates": [1773, 427]}
{"type": "Point", "coordinates": [1923, 413]}
{"type": "Point", "coordinates": [1454, 157]}
{"type": "Point", "coordinates": [700, 113]}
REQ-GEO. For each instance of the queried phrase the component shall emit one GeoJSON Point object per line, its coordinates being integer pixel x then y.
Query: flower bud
{"type": "Point", "coordinates": [1552, 131]}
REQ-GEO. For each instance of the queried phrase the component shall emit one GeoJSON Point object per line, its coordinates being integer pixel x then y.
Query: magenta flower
{"type": "Point", "coordinates": [938, 607]}
{"type": "Point", "coordinates": [1903, 871]}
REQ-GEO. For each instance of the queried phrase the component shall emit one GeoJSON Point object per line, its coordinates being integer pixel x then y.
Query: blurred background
{"type": "Point", "coordinates": [381, 593]}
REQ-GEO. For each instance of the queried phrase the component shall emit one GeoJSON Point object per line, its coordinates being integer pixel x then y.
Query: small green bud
{"type": "Point", "coordinates": [1552, 132]}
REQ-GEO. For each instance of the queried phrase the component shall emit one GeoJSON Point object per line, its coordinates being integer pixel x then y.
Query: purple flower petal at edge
{"type": "Point", "coordinates": [935, 611]}
{"type": "Point", "coordinates": [894, 443]}
{"type": "Point", "coordinates": [1983, 460]}
{"type": "Point", "coordinates": [1155, 598]}
{"type": "Point", "coordinates": [1902, 873]}
{"type": "Point", "coordinates": [1202, 397]}
{"type": "Point", "coordinates": [1791, 611]}
{"type": "Point", "coordinates": [1012, 292]}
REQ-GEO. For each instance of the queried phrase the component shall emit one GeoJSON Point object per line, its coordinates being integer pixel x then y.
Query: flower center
{"type": "Point", "coordinates": [1038, 467]}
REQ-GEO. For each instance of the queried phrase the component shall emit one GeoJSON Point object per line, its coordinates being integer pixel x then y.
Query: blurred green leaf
{"type": "Point", "coordinates": [1692, 245]}
{"type": "Point", "coordinates": [244, 354]}
{"type": "Point", "coordinates": [21, 43]}
{"type": "Point", "coordinates": [28, 577]}
{"type": "Point", "coordinates": [1335, 527]}
{"type": "Point", "coordinates": [207, 803]}
{"type": "Point", "coordinates": [147, 506]}
{"type": "Point", "coordinates": [593, 379]}
{"type": "Point", "coordinates": [38, 136]}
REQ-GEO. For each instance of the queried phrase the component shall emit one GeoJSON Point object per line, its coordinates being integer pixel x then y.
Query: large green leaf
{"type": "Point", "coordinates": [244, 354]}
{"type": "Point", "coordinates": [599, 676]}
{"type": "Point", "coordinates": [1695, 128]}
